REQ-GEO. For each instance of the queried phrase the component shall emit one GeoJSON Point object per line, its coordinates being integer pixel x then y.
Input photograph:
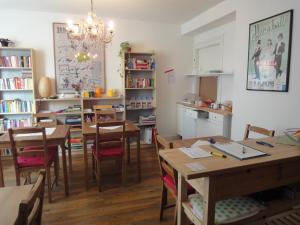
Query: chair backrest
{"type": "Point", "coordinates": [258, 130]}
{"type": "Point", "coordinates": [30, 209]}
{"type": "Point", "coordinates": [161, 143]}
{"type": "Point", "coordinates": [103, 115]}
{"type": "Point", "coordinates": [17, 146]}
{"type": "Point", "coordinates": [45, 119]}
{"type": "Point", "coordinates": [110, 139]}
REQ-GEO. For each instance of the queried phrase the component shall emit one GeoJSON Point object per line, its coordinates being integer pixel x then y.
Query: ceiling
{"type": "Point", "coordinates": [169, 11]}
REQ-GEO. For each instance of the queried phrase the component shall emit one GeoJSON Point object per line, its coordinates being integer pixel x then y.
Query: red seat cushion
{"type": "Point", "coordinates": [35, 161]}
{"type": "Point", "coordinates": [108, 152]}
{"type": "Point", "coordinates": [169, 181]}
{"type": "Point", "coordinates": [50, 147]}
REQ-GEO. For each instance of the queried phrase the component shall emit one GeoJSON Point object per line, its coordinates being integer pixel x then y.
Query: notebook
{"type": "Point", "coordinates": [239, 151]}
{"type": "Point", "coordinates": [195, 153]}
{"type": "Point", "coordinates": [48, 132]}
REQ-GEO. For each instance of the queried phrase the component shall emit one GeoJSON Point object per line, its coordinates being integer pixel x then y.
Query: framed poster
{"type": "Point", "coordinates": [269, 53]}
{"type": "Point", "coordinates": [68, 71]}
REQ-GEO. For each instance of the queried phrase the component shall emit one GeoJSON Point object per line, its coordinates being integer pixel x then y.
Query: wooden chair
{"type": "Point", "coordinates": [36, 157]}
{"type": "Point", "coordinates": [109, 147]}
{"type": "Point", "coordinates": [168, 176]}
{"type": "Point", "coordinates": [104, 115]}
{"type": "Point", "coordinates": [258, 130]}
{"type": "Point", "coordinates": [30, 210]}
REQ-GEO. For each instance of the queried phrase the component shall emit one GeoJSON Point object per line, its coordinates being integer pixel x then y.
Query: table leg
{"type": "Point", "coordinates": [70, 153]}
{"type": "Point", "coordinates": [209, 202]}
{"type": "Point", "coordinates": [128, 149]}
{"type": "Point", "coordinates": [182, 197]}
{"type": "Point", "coordinates": [138, 155]}
{"type": "Point", "coordinates": [65, 168]}
{"type": "Point", "coordinates": [1, 171]}
{"type": "Point", "coordinates": [85, 155]}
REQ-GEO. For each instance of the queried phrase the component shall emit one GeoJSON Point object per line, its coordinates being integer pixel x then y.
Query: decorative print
{"type": "Point", "coordinates": [88, 74]}
{"type": "Point", "coordinates": [269, 53]}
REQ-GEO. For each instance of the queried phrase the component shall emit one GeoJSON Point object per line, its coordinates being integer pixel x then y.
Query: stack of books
{"type": "Point", "coordinates": [139, 82]}
{"type": "Point", "coordinates": [76, 143]}
{"type": "Point", "coordinates": [15, 83]}
{"type": "Point", "coordinates": [5, 124]}
{"type": "Point", "coordinates": [15, 106]}
{"type": "Point", "coordinates": [16, 61]}
{"type": "Point", "coordinates": [147, 120]}
{"type": "Point", "coordinates": [73, 120]}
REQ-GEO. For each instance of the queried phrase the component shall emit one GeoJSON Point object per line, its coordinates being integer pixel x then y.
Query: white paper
{"type": "Point", "coordinates": [199, 143]}
{"type": "Point", "coordinates": [195, 167]}
{"type": "Point", "coordinates": [48, 132]}
{"type": "Point", "coordinates": [107, 128]}
{"type": "Point", "coordinates": [239, 151]}
{"type": "Point", "coordinates": [195, 153]}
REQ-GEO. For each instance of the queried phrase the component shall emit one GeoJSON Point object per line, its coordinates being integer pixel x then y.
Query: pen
{"type": "Point", "coordinates": [265, 143]}
{"type": "Point", "coordinates": [218, 154]}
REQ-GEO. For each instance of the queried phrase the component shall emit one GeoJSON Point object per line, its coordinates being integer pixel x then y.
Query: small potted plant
{"type": "Point", "coordinates": [77, 88]}
{"type": "Point", "coordinates": [125, 47]}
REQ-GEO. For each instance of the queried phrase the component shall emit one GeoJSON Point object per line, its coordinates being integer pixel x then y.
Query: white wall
{"type": "Point", "coordinates": [34, 30]}
{"type": "Point", "coordinates": [267, 109]}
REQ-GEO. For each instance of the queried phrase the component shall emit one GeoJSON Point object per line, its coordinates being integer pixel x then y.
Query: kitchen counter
{"type": "Point", "coordinates": [206, 109]}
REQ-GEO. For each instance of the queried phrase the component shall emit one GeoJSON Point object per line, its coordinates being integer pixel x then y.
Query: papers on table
{"type": "Point", "coordinates": [48, 132]}
{"type": "Point", "coordinates": [195, 153]}
{"type": "Point", "coordinates": [199, 143]}
{"type": "Point", "coordinates": [239, 151]}
{"type": "Point", "coordinates": [195, 167]}
{"type": "Point", "coordinates": [107, 128]}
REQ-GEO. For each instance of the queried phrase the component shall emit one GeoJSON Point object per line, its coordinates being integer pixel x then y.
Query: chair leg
{"type": "Point", "coordinates": [124, 170]}
{"type": "Point", "coordinates": [163, 202]}
{"type": "Point", "coordinates": [98, 174]}
{"type": "Point", "coordinates": [48, 174]}
{"type": "Point", "coordinates": [56, 169]}
{"type": "Point", "coordinates": [175, 216]}
{"type": "Point", "coordinates": [18, 178]}
{"type": "Point", "coordinates": [93, 166]}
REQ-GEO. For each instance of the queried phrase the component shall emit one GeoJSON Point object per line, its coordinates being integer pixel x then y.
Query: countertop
{"type": "Point", "coordinates": [206, 109]}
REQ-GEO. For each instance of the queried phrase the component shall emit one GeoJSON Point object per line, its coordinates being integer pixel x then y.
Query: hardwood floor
{"type": "Point", "coordinates": [132, 204]}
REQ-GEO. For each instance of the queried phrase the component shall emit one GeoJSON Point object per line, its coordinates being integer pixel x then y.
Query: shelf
{"type": "Point", "coordinates": [140, 109]}
{"type": "Point", "coordinates": [57, 99]}
{"type": "Point", "coordinates": [46, 114]}
{"type": "Point", "coordinates": [16, 68]}
{"type": "Point", "coordinates": [140, 70]}
{"type": "Point", "coordinates": [151, 88]}
{"type": "Point", "coordinates": [103, 98]}
{"type": "Point", "coordinates": [87, 113]}
{"type": "Point", "coordinates": [17, 113]}
{"type": "Point", "coordinates": [73, 130]}
{"type": "Point", "coordinates": [8, 90]}
{"type": "Point", "coordinates": [139, 53]}
{"type": "Point", "coordinates": [15, 48]}
{"type": "Point", "coordinates": [144, 125]}
{"type": "Point", "coordinates": [209, 74]}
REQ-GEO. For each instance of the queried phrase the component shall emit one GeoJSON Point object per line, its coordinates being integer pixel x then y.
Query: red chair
{"type": "Point", "coordinates": [33, 159]}
{"type": "Point", "coordinates": [168, 176]}
{"type": "Point", "coordinates": [109, 147]}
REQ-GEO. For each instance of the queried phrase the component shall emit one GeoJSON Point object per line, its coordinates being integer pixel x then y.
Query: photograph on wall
{"type": "Point", "coordinates": [269, 53]}
{"type": "Point", "coordinates": [88, 74]}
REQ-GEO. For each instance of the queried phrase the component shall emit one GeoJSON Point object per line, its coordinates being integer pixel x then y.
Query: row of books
{"type": "Point", "coordinates": [76, 143]}
{"type": "Point", "coordinates": [16, 83]}
{"type": "Point", "coordinates": [132, 82]}
{"type": "Point", "coordinates": [15, 61]}
{"type": "Point", "coordinates": [140, 64]}
{"type": "Point", "coordinates": [151, 119]}
{"type": "Point", "coordinates": [73, 120]}
{"type": "Point", "coordinates": [15, 106]}
{"type": "Point", "coordinates": [5, 123]}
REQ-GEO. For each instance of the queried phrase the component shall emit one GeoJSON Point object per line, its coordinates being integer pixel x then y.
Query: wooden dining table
{"type": "Point", "coordinates": [59, 137]}
{"type": "Point", "coordinates": [220, 178]}
{"type": "Point", "coordinates": [10, 199]}
{"type": "Point", "coordinates": [131, 131]}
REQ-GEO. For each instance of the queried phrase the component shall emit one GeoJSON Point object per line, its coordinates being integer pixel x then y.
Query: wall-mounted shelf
{"type": "Point", "coordinates": [57, 99]}
{"type": "Point", "coordinates": [210, 74]}
{"type": "Point", "coordinates": [16, 89]}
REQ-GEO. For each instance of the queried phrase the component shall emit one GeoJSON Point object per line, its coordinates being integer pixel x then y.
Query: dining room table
{"type": "Point", "coordinates": [60, 136]}
{"type": "Point", "coordinates": [131, 131]}
{"type": "Point", "coordinates": [10, 199]}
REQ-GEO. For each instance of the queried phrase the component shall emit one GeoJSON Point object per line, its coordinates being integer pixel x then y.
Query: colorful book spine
{"type": "Point", "coordinates": [15, 106]}
{"type": "Point", "coordinates": [16, 61]}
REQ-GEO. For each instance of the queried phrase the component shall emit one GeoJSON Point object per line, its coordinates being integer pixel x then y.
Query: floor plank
{"type": "Point", "coordinates": [132, 204]}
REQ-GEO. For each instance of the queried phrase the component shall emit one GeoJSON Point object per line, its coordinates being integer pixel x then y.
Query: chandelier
{"type": "Point", "coordinates": [90, 31]}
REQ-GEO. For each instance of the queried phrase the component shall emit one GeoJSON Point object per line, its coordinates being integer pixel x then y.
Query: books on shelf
{"type": "Point", "coordinates": [73, 120]}
{"type": "Point", "coordinates": [16, 83]}
{"type": "Point", "coordinates": [138, 82]}
{"type": "Point", "coordinates": [16, 61]}
{"type": "Point", "coordinates": [151, 119]}
{"type": "Point", "coordinates": [140, 64]}
{"type": "Point", "coordinates": [5, 123]}
{"type": "Point", "coordinates": [16, 106]}
{"type": "Point", "coordinates": [140, 103]}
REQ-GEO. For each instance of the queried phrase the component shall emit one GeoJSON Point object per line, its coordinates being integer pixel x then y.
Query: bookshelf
{"type": "Point", "coordinates": [17, 91]}
{"type": "Point", "coordinates": [139, 91]}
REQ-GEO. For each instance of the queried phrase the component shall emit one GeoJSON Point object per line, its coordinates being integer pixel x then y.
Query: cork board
{"type": "Point", "coordinates": [208, 88]}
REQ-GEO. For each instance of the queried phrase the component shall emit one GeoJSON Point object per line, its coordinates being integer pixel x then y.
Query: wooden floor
{"type": "Point", "coordinates": [133, 204]}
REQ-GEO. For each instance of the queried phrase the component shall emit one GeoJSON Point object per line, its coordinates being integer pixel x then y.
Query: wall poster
{"type": "Point", "coordinates": [89, 74]}
{"type": "Point", "coordinates": [269, 53]}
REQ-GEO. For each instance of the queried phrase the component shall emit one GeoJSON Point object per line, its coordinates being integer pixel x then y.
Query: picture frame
{"type": "Point", "coordinates": [68, 71]}
{"type": "Point", "coordinates": [268, 66]}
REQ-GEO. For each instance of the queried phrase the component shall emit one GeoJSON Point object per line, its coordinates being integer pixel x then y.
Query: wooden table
{"type": "Point", "coordinates": [131, 130]}
{"type": "Point", "coordinates": [10, 199]}
{"type": "Point", "coordinates": [58, 137]}
{"type": "Point", "coordinates": [229, 177]}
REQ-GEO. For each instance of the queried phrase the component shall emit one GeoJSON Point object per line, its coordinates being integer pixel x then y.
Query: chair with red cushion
{"type": "Point", "coordinates": [168, 176]}
{"type": "Point", "coordinates": [37, 157]}
{"type": "Point", "coordinates": [109, 147]}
